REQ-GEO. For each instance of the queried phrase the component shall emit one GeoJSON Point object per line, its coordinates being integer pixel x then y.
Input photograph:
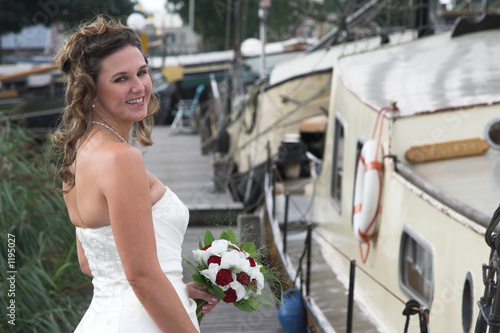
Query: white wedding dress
{"type": "Point", "coordinates": [114, 307]}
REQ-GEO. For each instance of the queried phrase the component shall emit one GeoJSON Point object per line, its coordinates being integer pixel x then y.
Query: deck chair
{"type": "Point", "coordinates": [187, 109]}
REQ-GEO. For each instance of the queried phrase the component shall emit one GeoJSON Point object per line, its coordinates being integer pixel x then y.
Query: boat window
{"type": "Point", "coordinates": [492, 133]}
{"type": "Point", "coordinates": [416, 268]}
{"type": "Point", "coordinates": [359, 147]}
{"type": "Point", "coordinates": [338, 157]}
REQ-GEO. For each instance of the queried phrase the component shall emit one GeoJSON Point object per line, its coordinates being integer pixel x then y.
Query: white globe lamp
{"type": "Point", "coordinates": [136, 21]}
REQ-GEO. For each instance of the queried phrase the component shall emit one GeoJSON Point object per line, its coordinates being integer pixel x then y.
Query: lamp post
{"type": "Point", "coordinates": [138, 22]}
{"type": "Point", "coordinates": [191, 15]}
{"type": "Point", "coordinates": [263, 11]}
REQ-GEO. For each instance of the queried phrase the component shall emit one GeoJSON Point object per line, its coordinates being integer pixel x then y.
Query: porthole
{"type": "Point", "coordinates": [467, 304]}
{"type": "Point", "coordinates": [492, 133]}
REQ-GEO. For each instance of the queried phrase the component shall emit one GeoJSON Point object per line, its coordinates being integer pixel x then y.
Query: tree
{"type": "Point", "coordinates": [210, 19]}
{"type": "Point", "coordinates": [17, 14]}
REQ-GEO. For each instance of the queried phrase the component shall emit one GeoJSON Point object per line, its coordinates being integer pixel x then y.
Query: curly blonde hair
{"type": "Point", "coordinates": [80, 60]}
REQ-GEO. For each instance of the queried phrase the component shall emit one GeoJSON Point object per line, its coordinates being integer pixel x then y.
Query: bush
{"type": "Point", "coordinates": [37, 242]}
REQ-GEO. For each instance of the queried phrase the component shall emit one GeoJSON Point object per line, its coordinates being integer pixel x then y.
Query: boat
{"type": "Point", "coordinates": [297, 89]}
{"type": "Point", "coordinates": [423, 116]}
{"type": "Point", "coordinates": [407, 178]}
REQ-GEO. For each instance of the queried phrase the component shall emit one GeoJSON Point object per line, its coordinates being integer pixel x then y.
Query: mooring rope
{"type": "Point", "coordinates": [411, 307]}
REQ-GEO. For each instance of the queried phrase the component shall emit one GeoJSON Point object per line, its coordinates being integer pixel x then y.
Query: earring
{"type": "Point", "coordinates": [93, 105]}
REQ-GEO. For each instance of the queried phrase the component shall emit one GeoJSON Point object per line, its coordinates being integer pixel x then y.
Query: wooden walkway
{"type": "Point", "coordinates": [176, 159]}
{"type": "Point", "coordinates": [327, 291]}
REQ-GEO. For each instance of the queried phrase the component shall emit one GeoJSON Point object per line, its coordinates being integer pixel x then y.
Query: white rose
{"type": "Point", "coordinates": [211, 272]}
{"type": "Point", "coordinates": [200, 256]}
{"type": "Point", "coordinates": [255, 273]}
{"type": "Point", "coordinates": [240, 290]}
{"type": "Point", "coordinates": [218, 247]}
{"type": "Point", "coordinates": [233, 259]}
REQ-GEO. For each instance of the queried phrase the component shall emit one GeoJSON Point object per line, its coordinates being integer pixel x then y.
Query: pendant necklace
{"type": "Point", "coordinates": [111, 129]}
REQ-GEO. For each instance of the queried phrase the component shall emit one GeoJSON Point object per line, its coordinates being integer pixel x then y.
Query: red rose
{"type": "Point", "coordinates": [243, 278]}
{"type": "Point", "coordinates": [231, 296]}
{"type": "Point", "coordinates": [224, 277]}
{"type": "Point", "coordinates": [207, 247]}
{"type": "Point", "coordinates": [213, 260]}
{"type": "Point", "coordinates": [253, 285]}
{"type": "Point", "coordinates": [252, 262]}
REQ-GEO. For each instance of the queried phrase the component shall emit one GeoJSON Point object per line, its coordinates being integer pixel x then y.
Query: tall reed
{"type": "Point", "coordinates": [50, 292]}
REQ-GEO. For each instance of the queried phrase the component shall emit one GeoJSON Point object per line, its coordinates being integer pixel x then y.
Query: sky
{"type": "Point", "coordinates": [161, 18]}
{"type": "Point", "coordinates": [153, 5]}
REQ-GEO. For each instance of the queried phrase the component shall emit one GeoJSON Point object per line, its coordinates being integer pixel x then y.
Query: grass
{"type": "Point", "coordinates": [50, 292]}
{"type": "Point", "coordinates": [32, 105]}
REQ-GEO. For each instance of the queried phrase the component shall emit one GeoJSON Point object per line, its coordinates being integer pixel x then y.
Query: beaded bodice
{"type": "Point", "coordinates": [170, 220]}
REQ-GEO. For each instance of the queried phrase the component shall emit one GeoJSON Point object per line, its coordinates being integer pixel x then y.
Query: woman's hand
{"type": "Point", "coordinates": [198, 292]}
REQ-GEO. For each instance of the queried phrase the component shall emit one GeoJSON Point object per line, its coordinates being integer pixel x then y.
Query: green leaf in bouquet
{"type": "Point", "coordinates": [248, 305]}
{"type": "Point", "coordinates": [200, 244]}
{"type": "Point", "coordinates": [189, 262]}
{"type": "Point", "coordinates": [216, 291]}
{"type": "Point", "coordinates": [209, 238]}
{"type": "Point", "coordinates": [262, 302]}
{"type": "Point", "coordinates": [268, 276]}
{"type": "Point", "coordinates": [199, 279]}
{"type": "Point", "coordinates": [249, 248]}
{"type": "Point", "coordinates": [199, 308]}
{"type": "Point", "coordinates": [228, 235]}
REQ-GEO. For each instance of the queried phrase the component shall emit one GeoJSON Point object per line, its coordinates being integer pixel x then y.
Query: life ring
{"type": "Point", "coordinates": [367, 192]}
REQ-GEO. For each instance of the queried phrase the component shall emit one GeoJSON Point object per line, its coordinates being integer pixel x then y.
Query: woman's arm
{"type": "Point", "coordinates": [125, 186]}
{"type": "Point", "coordinates": [82, 259]}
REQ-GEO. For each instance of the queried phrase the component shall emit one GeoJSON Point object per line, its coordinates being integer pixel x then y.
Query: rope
{"type": "Point", "coordinates": [275, 124]}
{"type": "Point", "coordinates": [313, 228]}
{"type": "Point", "coordinates": [364, 234]}
{"type": "Point", "coordinates": [412, 307]}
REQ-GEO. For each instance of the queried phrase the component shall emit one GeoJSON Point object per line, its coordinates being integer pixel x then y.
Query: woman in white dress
{"type": "Point", "coordinates": [129, 226]}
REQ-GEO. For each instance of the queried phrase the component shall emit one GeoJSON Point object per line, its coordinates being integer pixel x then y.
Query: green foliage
{"type": "Point", "coordinates": [17, 14]}
{"type": "Point", "coordinates": [228, 235]}
{"type": "Point", "coordinates": [210, 19]}
{"type": "Point", "coordinates": [249, 248]}
{"type": "Point", "coordinates": [50, 289]}
{"type": "Point", "coordinates": [209, 238]}
{"type": "Point", "coordinates": [248, 305]}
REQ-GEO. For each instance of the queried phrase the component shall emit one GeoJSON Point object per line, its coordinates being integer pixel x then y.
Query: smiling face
{"type": "Point", "coordinates": [123, 87]}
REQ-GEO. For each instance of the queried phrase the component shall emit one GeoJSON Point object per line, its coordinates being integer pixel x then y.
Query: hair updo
{"type": "Point", "coordinates": [80, 61]}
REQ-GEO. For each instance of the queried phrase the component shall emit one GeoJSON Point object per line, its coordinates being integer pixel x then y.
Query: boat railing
{"type": "Point", "coordinates": [489, 305]}
{"type": "Point", "coordinates": [411, 307]}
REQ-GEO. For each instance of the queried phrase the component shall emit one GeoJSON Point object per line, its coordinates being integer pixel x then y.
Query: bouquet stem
{"type": "Point", "coordinates": [199, 307]}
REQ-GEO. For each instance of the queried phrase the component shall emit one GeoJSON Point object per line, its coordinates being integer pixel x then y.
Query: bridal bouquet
{"type": "Point", "coordinates": [230, 272]}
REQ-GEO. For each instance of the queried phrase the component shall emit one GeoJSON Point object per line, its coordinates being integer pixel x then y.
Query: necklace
{"type": "Point", "coordinates": [111, 129]}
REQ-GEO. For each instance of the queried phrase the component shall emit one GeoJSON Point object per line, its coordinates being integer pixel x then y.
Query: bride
{"type": "Point", "coordinates": [129, 226]}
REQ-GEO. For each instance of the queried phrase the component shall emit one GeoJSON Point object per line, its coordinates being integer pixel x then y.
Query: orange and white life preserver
{"type": "Point", "coordinates": [367, 191]}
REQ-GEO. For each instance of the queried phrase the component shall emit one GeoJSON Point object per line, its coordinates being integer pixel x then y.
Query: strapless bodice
{"type": "Point", "coordinates": [170, 220]}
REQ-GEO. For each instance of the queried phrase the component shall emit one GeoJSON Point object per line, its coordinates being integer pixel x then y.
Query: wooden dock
{"type": "Point", "coordinates": [176, 159]}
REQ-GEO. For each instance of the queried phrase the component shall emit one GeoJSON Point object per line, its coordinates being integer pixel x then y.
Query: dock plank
{"type": "Point", "coordinates": [175, 159]}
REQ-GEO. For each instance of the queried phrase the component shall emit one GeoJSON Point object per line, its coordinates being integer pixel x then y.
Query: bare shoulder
{"type": "Point", "coordinates": [121, 162]}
